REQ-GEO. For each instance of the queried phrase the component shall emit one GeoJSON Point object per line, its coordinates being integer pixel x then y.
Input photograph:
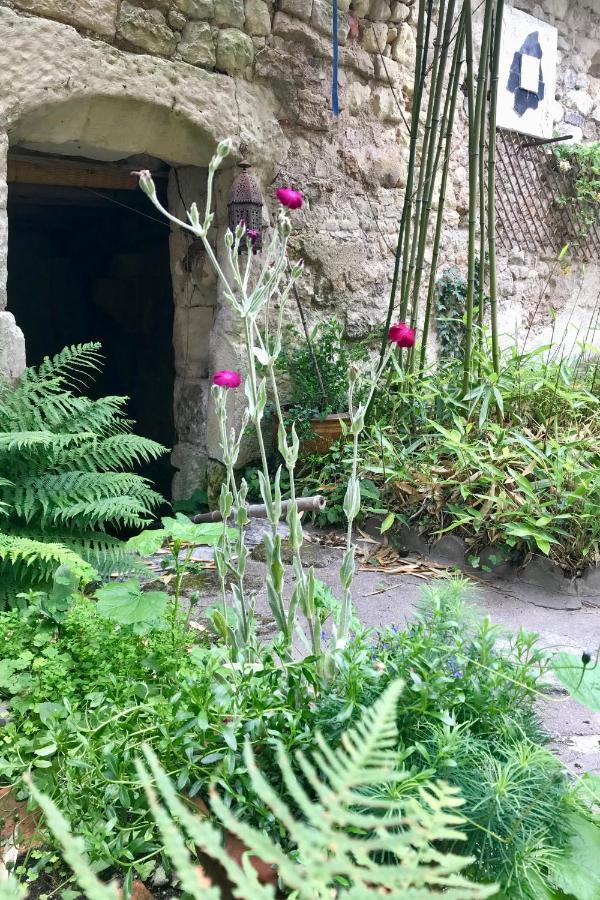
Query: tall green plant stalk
{"type": "Point", "coordinates": [429, 130]}
{"type": "Point", "coordinates": [443, 37]}
{"type": "Point", "coordinates": [352, 499]}
{"type": "Point", "coordinates": [406, 216]}
{"type": "Point", "coordinates": [408, 258]}
{"type": "Point", "coordinates": [491, 186]}
{"type": "Point", "coordinates": [446, 139]}
{"type": "Point", "coordinates": [482, 235]}
{"type": "Point", "coordinates": [476, 100]}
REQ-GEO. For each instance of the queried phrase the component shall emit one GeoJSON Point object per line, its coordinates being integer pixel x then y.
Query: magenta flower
{"type": "Point", "coordinates": [253, 234]}
{"type": "Point", "coordinates": [290, 198]}
{"type": "Point", "coordinates": [402, 335]}
{"type": "Point", "coordinates": [227, 379]}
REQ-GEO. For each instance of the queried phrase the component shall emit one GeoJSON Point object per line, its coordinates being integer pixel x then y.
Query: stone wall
{"type": "Point", "coordinates": [112, 78]}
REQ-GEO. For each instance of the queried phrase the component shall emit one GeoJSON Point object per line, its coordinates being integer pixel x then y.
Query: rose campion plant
{"type": "Point", "coordinates": [402, 335]}
{"type": "Point", "coordinates": [258, 289]}
{"type": "Point", "coordinates": [227, 379]}
{"type": "Point", "coordinates": [290, 198]}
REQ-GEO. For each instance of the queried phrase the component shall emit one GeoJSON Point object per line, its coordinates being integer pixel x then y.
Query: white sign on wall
{"type": "Point", "coordinates": [527, 74]}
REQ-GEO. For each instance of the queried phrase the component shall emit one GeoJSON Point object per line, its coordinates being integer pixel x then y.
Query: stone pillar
{"type": "Point", "coordinates": [227, 346]}
{"type": "Point", "coordinates": [12, 342]}
{"type": "Point", "coordinates": [194, 292]}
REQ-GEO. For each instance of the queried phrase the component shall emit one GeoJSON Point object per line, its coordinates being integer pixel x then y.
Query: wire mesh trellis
{"type": "Point", "coordinates": [529, 187]}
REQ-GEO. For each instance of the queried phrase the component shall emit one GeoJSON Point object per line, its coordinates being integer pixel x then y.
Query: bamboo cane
{"type": "Point", "coordinates": [447, 129]}
{"type": "Point", "coordinates": [259, 510]}
{"type": "Point", "coordinates": [433, 158]}
{"type": "Point", "coordinates": [407, 204]}
{"type": "Point", "coordinates": [475, 105]}
{"type": "Point", "coordinates": [410, 238]}
{"type": "Point", "coordinates": [491, 210]}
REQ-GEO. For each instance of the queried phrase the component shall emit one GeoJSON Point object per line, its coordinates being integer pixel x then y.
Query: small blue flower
{"type": "Point", "coordinates": [454, 669]}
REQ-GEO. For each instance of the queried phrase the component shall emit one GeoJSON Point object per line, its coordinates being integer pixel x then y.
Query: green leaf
{"type": "Point", "coordinates": [584, 686]}
{"type": "Point", "coordinates": [49, 750]}
{"type": "Point", "coordinates": [127, 604]}
{"type": "Point", "coordinates": [577, 872]}
{"type": "Point", "coordinates": [147, 542]}
{"type": "Point", "coordinates": [229, 738]}
{"type": "Point", "coordinates": [387, 522]}
{"type": "Point", "coordinates": [183, 529]}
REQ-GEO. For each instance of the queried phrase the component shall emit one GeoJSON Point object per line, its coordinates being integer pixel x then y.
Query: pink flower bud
{"type": "Point", "coordinates": [227, 379]}
{"type": "Point", "coordinates": [402, 335]}
{"type": "Point", "coordinates": [290, 198]}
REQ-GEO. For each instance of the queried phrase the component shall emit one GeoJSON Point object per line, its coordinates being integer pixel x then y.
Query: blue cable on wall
{"type": "Point", "coordinates": [335, 102]}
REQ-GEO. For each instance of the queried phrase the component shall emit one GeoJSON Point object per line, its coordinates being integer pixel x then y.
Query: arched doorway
{"type": "Point", "coordinates": [106, 267]}
{"type": "Point", "coordinates": [67, 96]}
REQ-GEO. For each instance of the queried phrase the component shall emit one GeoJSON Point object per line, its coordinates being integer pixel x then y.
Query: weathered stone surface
{"type": "Point", "coordinates": [400, 12]}
{"type": "Point", "coordinates": [404, 48]}
{"type": "Point", "coordinates": [360, 8]}
{"type": "Point", "coordinates": [581, 101]}
{"type": "Point", "coordinates": [190, 405]}
{"type": "Point", "coordinates": [300, 9]}
{"type": "Point", "coordinates": [357, 97]}
{"type": "Point", "coordinates": [12, 347]}
{"type": "Point", "coordinates": [147, 29]}
{"type": "Point", "coordinates": [98, 16]}
{"type": "Point", "coordinates": [556, 8]}
{"type": "Point", "coordinates": [258, 17]}
{"type": "Point", "coordinates": [197, 46]}
{"type": "Point", "coordinates": [572, 117]}
{"type": "Point", "coordinates": [385, 105]}
{"type": "Point", "coordinates": [191, 337]}
{"type": "Point", "coordinates": [379, 10]}
{"type": "Point", "coordinates": [44, 60]}
{"type": "Point", "coordinates": [230, 12]}
{"type": "Point", "coordinates": [374, 37]}
{"type": "Point", "coordinates": [322, 19]}
{"type": "Point", "coordinates": [176, 20]}
{"type": "Point", "coordinates": [191, 462]}
{"type": "Point", "coordinates": [235, 51]}
{"type": "Point", "coordinates": [196, 9]}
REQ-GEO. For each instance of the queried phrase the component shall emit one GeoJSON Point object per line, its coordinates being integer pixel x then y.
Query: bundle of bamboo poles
{"type": "Point", "coordinates": [446, 63]}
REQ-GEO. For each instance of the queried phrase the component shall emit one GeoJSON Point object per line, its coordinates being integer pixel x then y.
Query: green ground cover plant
{"type": "Point", "coordinates": [87, 694]}
{"type": "Point", "coordinates": [511, 466]}
{"type": "Point", "coordinates": [345, 830]}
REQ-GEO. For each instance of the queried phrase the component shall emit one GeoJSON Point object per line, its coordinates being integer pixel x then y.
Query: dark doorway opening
{"type": "Point", "coordinates": [91, 263]}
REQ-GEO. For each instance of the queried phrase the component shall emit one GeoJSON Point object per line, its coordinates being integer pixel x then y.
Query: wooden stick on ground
{"type": "Point", "coordinates": [259, 510]}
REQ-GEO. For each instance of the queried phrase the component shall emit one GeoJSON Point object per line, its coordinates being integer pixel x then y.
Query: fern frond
{"type": "Point", "coordinates": [58, 497]}
{"type": "Point", "coordinates": [34, 440]}
{"type": "Point", "coordinates": [69, 366]}
{"type": "Point", "coordinates": [336, 842]}
{"type": "Point", "coordinates": [64, 478]}
{"type": "Point", "coordinates": [24, 560]}
{"type": "Point", "coordinates": [121, 450]}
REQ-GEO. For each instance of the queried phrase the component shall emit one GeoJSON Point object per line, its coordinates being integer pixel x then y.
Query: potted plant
{"type": "Point", "coordinates": [316, 371]}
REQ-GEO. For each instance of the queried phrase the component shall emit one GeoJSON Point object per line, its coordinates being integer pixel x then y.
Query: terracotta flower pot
{"type": "Point", "coordinates": [324, 433]}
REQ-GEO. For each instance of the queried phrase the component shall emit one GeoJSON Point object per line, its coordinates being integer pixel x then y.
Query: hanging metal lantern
{"type": "Point", "coordinates": [246, 205]}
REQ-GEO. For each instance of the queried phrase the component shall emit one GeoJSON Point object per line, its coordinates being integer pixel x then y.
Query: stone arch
{"type": "Point", "coordinates": [63, 94]}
